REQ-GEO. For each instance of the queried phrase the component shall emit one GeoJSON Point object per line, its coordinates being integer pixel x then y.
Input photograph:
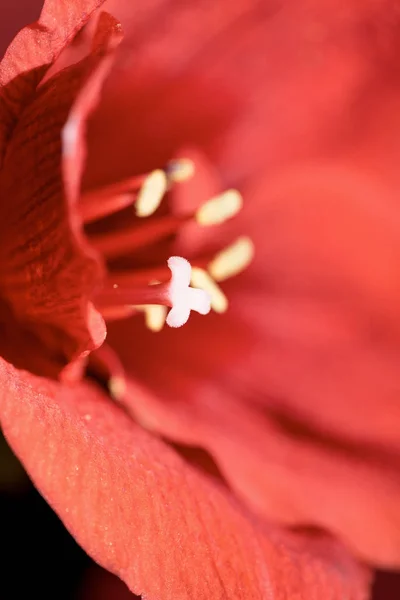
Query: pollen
{"type": "Point", "coordinates": [151, 193]}
{"type": "Point", "coordinates": [202, 280]}
{"type": "Point", "coordinates": [232, 260]}
{"type": "Point", "coordinates": [220, 208]}
{"type": "Point", "coordinates": [180, 170]}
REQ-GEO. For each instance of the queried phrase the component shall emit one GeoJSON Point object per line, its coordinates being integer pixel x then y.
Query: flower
{"type": "Point", "coordinates": [122, 123]}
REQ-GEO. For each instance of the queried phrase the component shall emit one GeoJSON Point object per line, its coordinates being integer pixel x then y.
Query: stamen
{"type": "Point", "coordinates": [130, 292]}
{"type": "Point", "coordinates": [232, 260]}
{"type": "Point", "coordinates": [154, 316]}
{"type": "Point", "coordinates": [146, 191]}
{"type": "Point", "coordinates": [117, 387]}
{"type": "Point", "coordinates": [201, 279]}
{"type": "Point", "coordinates": [219, 209]}
{"type": "Point", "coordinates": [180, 170]}
{"type": "Point", "coordinates": [135, 237]}
{"type": "Point", "coordinates": [151, 193]}
{"type": "Point", "coordinates": [215, 211]}
{"type": "Point", "coordinates": [119, 187]}
{"type": "Point", "coordinates": [105, 362]}
{"type": "Point", "coordinates": [103, 207]}
{"type": "Point", "coordinates": [129, 186]}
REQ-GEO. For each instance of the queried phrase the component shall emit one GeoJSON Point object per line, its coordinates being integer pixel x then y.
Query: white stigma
{"type": "Point", "coordinates": [183, 298]}
{"type": "Point", "coordinates": [151, 193]}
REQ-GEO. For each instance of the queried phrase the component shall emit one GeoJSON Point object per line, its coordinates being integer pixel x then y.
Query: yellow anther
{"type": "Point", "coordinates": [154, 315]}
{"type": "Point", "coordinates": [151, 193]}
{"type": "Point", "coordinates": [180, 170]}
{"type": "Point", "coordinates": [220, 209]}
{"type": "Point", "coordinates": [202, 280]}
{"type": "Point", "coordinates": [117, 387]}
{"type": "Point", "coordinates": [232, 260]}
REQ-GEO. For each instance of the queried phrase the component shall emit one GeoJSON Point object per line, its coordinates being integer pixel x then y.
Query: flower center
{"type": "Point", "coordinates": [147, 228]}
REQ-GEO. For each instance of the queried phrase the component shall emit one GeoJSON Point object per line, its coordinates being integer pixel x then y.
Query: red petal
{"type": "Point", "coordinates": [107, 37]}
{"type": "Point", "coordinates": [254, 84]}
{"type": "Point", "coordinates": [289, 473]}
{"type": "Point", "coordinates": [310, 351]}
{"type": "Point", "coordinates": [325, 294]}
{"type": "Point", "coordinates": [47, 272]}
{"type": "Point", "coordinates": [32, 52]}
{"type": "Point", "coordinates": [144, 514]}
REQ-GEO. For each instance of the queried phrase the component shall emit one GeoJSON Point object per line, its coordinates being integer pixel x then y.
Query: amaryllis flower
{"type": "Point", "coordinates": [258, 142]}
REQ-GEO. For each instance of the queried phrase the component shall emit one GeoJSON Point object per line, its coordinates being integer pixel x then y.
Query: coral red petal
{"type": "Point", "coordinates": [47, 272]}
{"type": "Point", "coordinates": [325, 294]}
{"type": "Point", "coordinates": [107, 37]}
{"type": "Point", "coordinates": [284, 470]}
{"type": "Point", "coordinates": [309, 353]}
{"type": "Point", "coordinates": [143, 513]}
{"type": "Point", "coordinates": [254, 84]}
{"type": "Point", "coordinates": [32, 52]}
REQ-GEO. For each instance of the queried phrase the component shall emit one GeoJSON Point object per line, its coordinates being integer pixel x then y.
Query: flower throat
{"type": "Point", "coordinates": [176, 284]}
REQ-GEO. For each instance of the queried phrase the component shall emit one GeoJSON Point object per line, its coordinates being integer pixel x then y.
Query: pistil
{"type": "Point", "coordinates": [177, 294]}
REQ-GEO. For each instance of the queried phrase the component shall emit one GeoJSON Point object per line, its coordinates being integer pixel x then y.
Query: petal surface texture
{"type": "Point", "coordinates": [143, 513]}
{"type": "Point", "coordinates": [47, 273]}
{"type": "Point", "coordinates": [300, 378]}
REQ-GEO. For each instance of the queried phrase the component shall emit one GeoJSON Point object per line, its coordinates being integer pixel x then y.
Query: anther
{"type": "Point", "coordinates": [155, 316]}
{"type": "Point", "coordinates": [232, 260]}
{"type": "Point", "coordinates": [117, 387]}
{"type": "Point", "coordinates": [180, 170]}
{"type": "Point", "coordinates": [151, 193]}
{"type": "Point", "coordinates": [220, 208]}
{"type": "Point", "coordinates": [201, 279]}
{"type": "Point", "coordinates": [102, 202]}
